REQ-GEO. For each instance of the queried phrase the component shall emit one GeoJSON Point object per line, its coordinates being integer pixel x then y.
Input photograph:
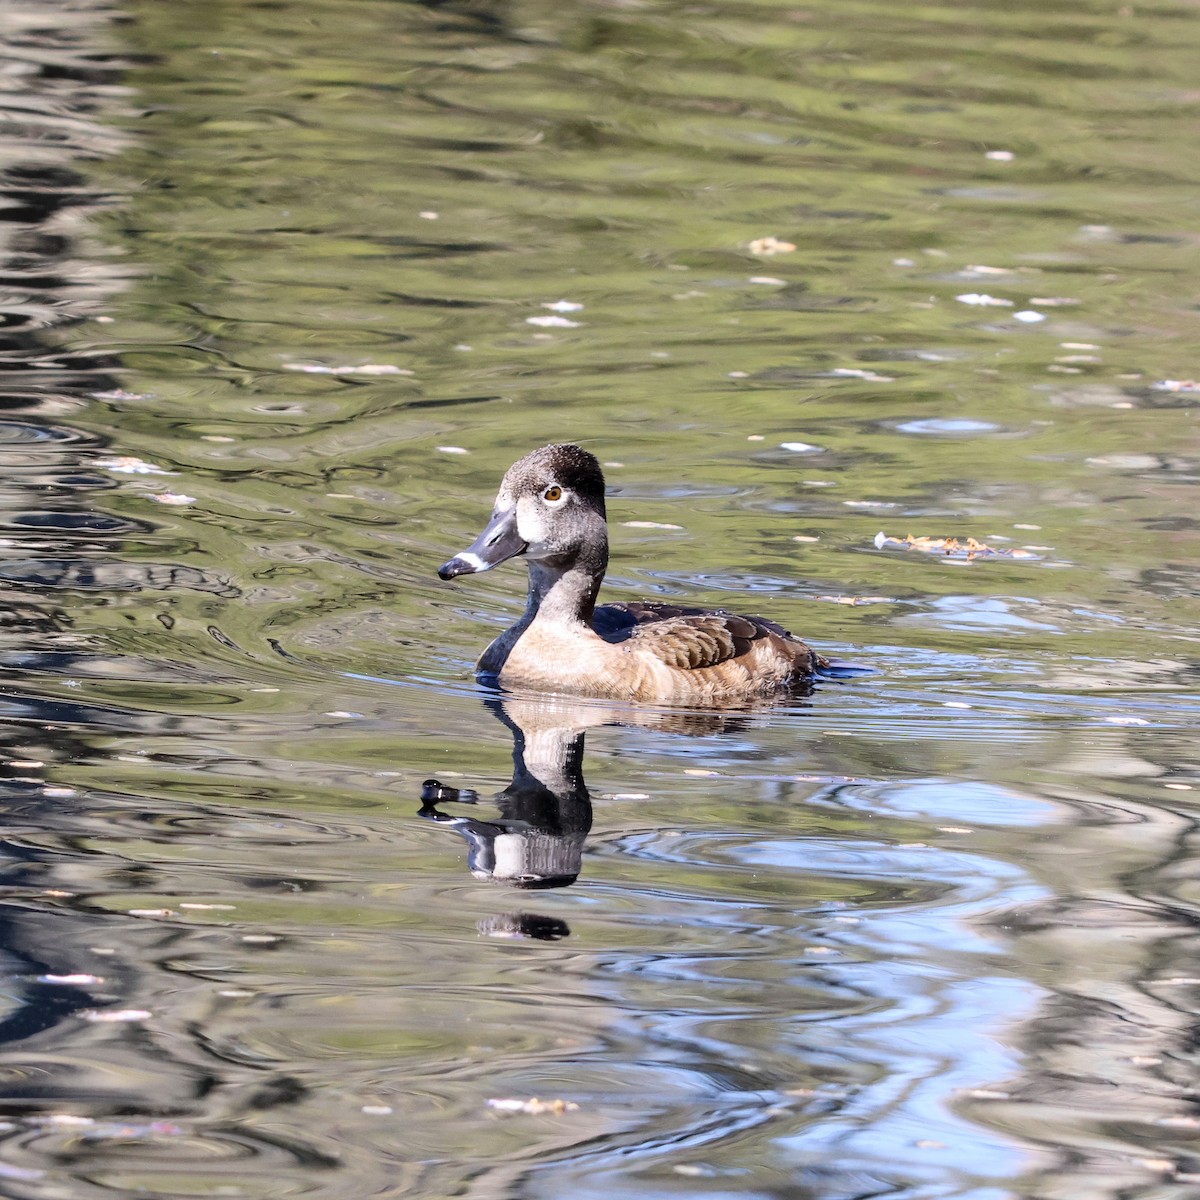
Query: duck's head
{"type": "Point", "coordinates": [550, 507]}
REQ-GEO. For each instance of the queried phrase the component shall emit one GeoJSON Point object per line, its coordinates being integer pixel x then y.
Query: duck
{"type": "Point", "coordinates": [550, 511]}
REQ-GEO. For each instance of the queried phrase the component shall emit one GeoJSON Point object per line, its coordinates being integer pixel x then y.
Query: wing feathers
{"type": "Point", "coordinates": [693, 638]}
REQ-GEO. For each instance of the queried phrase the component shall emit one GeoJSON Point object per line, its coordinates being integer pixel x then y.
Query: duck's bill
{"type": "Point", "coordinates": [499, 542]}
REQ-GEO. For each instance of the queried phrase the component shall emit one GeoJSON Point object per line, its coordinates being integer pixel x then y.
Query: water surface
{"type": "Point", "coordinates": [288, 287]}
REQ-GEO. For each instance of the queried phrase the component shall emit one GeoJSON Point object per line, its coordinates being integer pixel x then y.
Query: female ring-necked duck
{"type": "Point", "coordinates": [550, 508]}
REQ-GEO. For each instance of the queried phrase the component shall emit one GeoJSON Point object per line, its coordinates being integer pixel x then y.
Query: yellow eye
{"type": "Point", "coordinates": [552, 493]}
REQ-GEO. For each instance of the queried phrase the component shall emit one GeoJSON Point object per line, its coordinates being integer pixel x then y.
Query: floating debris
{"type": "Point", "coordinates": [1029, 316]}
{"type": "Point", "coordinates": [172, 498]}
{"type": "Point", "coordinates": [364, 369]}
{"type": "Point", "coordinates": [649, 525]}
{"type": "Point", "coordinates": [452, 450]}
{"type": "Point", "coordinates": [801, 448]}
{"type": "Point", "coordinates": [771, 245]}
{"type": "Point", "coordinates": [562, 306]}
{"type": "Point", "coordinates": [983, 299]}
{"type": "Point", "coordinates": [998, 156]}
{"type": "Point", "coordinates": [1176, 385]}
{"type": "Point", "coordinates": [428, 214]}
{"type": "Point", "coordinates": [768, 279]}
{"type": "Point", "coordinates": [533, 1106]}
{"type": "Point", "coordinates": [965, 550]}
{"type": "Point", "coordinates": [127, 464]}
{"type": "Point", "coordinates": [554, 322]}
{"type": "Point", "coordinates": [859, 373]}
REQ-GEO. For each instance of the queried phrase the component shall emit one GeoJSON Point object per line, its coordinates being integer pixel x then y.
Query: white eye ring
{"type": "Point", "coordinates": [554, 496]}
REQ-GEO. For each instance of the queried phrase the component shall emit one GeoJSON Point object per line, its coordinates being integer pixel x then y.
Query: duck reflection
{"type": "Point", "coordinates": [545, 815]}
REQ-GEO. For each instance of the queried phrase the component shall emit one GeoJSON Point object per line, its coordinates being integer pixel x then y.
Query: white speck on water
{"type": "Point", "coordinates": [649, 525]}
{"type": "Point", "coordinates": [112, 1016]}
{"type": "Point", "coordinates": [859, 373]}
{"type": "Point", "coordinates": [363, 369]}
{"type": "Point", "coordinates": [801, 448]}
{"type": "Point", "coordinates": [129, 465]}
{"type": "Point", "coordinates": [173, 498]}
{"type": "Point", "coordinates": [768, 279]}
{"type": "Point", "coordinates": [983, 299]}
{"type": "Point", "coordinates": [428, 215]}
{"type": "Point", "coordinates": [1029, 316]}
{"type": "Point", "coordinates": [1000, 155]}
{"type": "Point", "coordinates": [739, 375]}
{"type": "Point", "coordinates": [555, 322]}
{"type": "Point", "coordinates": [562, 306]}
{"type": "Point", "coordinates": [451, 450]}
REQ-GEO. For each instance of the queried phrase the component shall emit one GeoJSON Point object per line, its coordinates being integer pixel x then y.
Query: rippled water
{"type": "Point", "coordinates": [286, 288]}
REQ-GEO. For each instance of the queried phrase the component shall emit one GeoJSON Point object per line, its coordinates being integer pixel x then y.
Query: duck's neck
{"type": "Point", "coordinates": [565, 591]}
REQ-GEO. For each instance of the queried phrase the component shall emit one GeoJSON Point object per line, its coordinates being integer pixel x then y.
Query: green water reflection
{"type": "Point", "coordinates": [927, 934]}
